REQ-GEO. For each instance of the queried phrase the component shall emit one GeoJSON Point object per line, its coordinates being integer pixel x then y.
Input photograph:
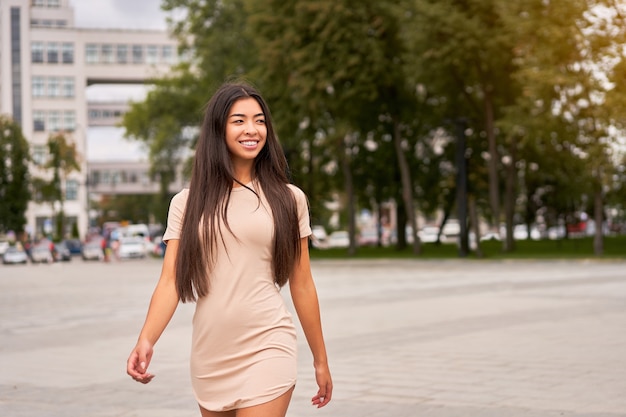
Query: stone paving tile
{"type": "Point", "coordinates": [406, 338]}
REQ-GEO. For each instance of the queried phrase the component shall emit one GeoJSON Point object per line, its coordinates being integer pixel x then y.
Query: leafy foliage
{"type": "Point", "coordinates": [14, 177]}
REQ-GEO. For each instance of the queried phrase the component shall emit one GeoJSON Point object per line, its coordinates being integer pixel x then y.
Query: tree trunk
{"type": "Point", "coordinates": [509, 199]}
{"type": "Point", "coordinates": [494, 188]}
{"type": "Point", "coordinates": [598, 240]}
{"type": "Point", "coordinates": [407, 186]}
{"type": "Point", "coordinates": [473, 215]}
{"type": "Point", "coordinates": [349, 186]}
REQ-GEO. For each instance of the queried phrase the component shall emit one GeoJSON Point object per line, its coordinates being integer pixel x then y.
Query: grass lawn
{"type": "Point", "coordinates": [574, 248]}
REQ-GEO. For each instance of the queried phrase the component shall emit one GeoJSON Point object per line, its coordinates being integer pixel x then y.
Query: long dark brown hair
{"type": "Point", "coordinates": [212, 180]}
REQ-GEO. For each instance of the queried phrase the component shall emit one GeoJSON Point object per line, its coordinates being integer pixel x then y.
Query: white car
{"type": "Point", "coordinates": [13, 255]}
{"type": "Point", "coordinates": [338, 239]}
{"type": "Point", "coordinates": [4, 245]}
{"type": "Point", "coordinates": [92, 251]}
{"type": "Point", "coordinates": [318, 237]}
{"type": "Point", "coordinates": [41, 254]}
{"type": "Point", "coordinates": [131, 247]}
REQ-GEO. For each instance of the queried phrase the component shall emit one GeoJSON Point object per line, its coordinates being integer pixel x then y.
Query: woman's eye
{"type": "Point", "coordinates": [261, 121]}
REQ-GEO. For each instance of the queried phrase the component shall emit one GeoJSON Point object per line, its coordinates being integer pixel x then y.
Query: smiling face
{"type": "Point", "coordinates": [246, 132]}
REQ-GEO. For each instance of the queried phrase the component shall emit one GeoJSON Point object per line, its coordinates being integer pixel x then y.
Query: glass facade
{"type": "Point", "coordinates": [124, 54]}
{"type": "Point", "coordinates": [39, 121]}
{"type": "Point", "coordinates": [39, 86]}
{"type": "Point", "coordinates": [16, 65]}
{"type": "Point", "coordinates": [106, 54]}
{"type": "Point", "coordinates": [53, 53]}
{"type": "Point", "coordinates": [91, 53]}
{"type": "Point", "coordinates": [68, 53]}
{"type": "Point", "coordinates": [54, 87]}
{"type": "Point", "coordinates": [37, 51]}
{"type": "Point", "coordinates": [40, 154]}
{"type": "Point", "coordinates": [137, 54]}
{"type": "Point", "coordinates": [54, 120]}
{"type": "Point", "coordinates": [71, 190]}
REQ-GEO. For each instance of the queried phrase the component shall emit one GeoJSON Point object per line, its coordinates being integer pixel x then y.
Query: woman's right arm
{"type": "Point", "coordinates": [162, 307]}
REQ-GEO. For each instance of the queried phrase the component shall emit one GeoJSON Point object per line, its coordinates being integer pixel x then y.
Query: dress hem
{"type": "Point", "coordinates": [249, 403]}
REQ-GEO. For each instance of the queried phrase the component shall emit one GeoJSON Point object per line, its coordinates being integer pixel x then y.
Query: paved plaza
{"type": "Point", "coordinates": [405, 339]}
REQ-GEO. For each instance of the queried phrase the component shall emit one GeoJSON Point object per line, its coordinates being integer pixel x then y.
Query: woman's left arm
{"type": "Point", "coordinates": [304, 296]}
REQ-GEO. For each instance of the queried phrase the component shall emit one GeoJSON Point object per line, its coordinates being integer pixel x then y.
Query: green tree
{"type": "Point", "coordinates": [14, 177]}
{"type": "Point", "coordinates": [336, 64]}
{"type": "Point", "coordinates": [464, 53]}
{"type": "Point", "coordinates": [568, 59]}
{"type": "Point", "coordinates": [215, 46]}
{"type": "Point", "coordinates": [63, 159]}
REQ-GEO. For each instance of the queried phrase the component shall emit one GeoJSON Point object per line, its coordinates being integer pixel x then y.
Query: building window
{"type": "Point", "coordinates": [54, 87]}
{"type": "Point", "coordinates": [91, 53]}
{"type": "Point", "coordinates": [71, 190]}
{"type": "Point", "coordinates": [40, 154]}
{"type": "Point", "coordinates": [54, 3]}
{"type": "Point", "coordinates": [167, 54]}
{"type": "Point", "coordinates": [54, 120]}
{"type": "Point", "coordinates": [68, 53]}
{"type": "Point", "coordinates": [93, 114]}
{"type": "Point", "coordinates": [95, 178]}
{"type": "Point", "coordinates": [53, 53]}
{"type": "Point", "coordinates": [68, 87]}
{"type": "Point", "coordinates": [137, 54]}
{"type": "Point", "coordinates": [106, 54]}
{"type": "Point", "coordinates": [38, 3]}
{"type": "Point", "coordinates": [69, 120]}
{"type": "Point", "coordinates": [152, 54]}
{"type": "Point", "coordinates": [39, 86]}
{"type": "Point", "coordinates": [39, 121]}
{"type": "Point", "coordinates": [122, 54]}
{"type": "Point", "coordinates": [37, 49]}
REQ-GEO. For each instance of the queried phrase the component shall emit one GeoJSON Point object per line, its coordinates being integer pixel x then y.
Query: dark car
{"type": "Point", "coordinates": [61, 252]}
{"type": "Point", "coordinates": [74, 245]}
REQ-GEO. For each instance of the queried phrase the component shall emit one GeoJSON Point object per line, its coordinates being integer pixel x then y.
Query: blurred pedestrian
{"type": "Point", "coordinates": [234, 238]}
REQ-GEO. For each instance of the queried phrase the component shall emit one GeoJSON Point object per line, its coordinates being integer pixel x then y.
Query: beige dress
{"type": "Point", "coordinates": [244, 341]}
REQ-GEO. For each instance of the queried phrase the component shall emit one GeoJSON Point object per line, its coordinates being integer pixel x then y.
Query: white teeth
{"type": "Point", "coordinates": [249, 143]}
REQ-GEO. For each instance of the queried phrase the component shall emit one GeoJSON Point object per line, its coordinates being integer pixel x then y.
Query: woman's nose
{"type": "Point", "coordinates": [250, 128]}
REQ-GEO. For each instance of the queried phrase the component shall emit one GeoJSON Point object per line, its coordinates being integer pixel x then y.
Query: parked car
{"type": "Point", "coordinates": [92, 251]}
{"type": "Point", "coordinates": [41, 254]}
{"type": "Point", "coordinates": [368, 237]}
{"type": "Point", "coordinates": [131, 247]}
{"type": "Point", "coordinates": [338, 239]}
{"type": "Point", "coordinates": [428, 234]}
{"type": "Point", "coordinates": [4, 245]}
{"type": "Point", "coordinates": [61, 252]}
{"type": "Point", "coordinates": [14, 255]}
{"type": "Point", "coordinates": [318, 237]}
{"type": "Point", "coordinates": [74, 245]}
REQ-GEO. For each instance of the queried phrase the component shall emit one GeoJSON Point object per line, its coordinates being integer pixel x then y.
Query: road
{"type": "Point", "coordinates": [405, 338]}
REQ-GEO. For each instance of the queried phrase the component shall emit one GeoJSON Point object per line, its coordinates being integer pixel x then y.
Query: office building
{"type": "Point", "coordinates": [46, 66]}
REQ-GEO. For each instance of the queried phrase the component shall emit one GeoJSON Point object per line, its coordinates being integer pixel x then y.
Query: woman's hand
{"type": "Point", "coordinates": [325, 384]}
{"type": "Point", "coordinates": [138, 361]}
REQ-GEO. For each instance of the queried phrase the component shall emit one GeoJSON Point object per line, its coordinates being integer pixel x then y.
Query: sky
{"type": "Point", "coordinates": [107, 143]}
{"type": "Point", "coordinates": [119, 14]}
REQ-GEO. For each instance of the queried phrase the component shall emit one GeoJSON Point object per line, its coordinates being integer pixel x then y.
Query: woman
{"type": "Point", "coordinates": [236, 236]}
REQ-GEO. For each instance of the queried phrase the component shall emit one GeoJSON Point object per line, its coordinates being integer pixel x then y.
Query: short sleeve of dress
{"type": "Point", "coordinates": [303, 211]}
{"type": "Point", "coordinates": [175, 215]}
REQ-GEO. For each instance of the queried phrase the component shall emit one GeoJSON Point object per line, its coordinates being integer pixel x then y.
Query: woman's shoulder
{"type": "Point", "coordinates": [181, 197]}
{"type": "Point", "coordinates": [297, 191]}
